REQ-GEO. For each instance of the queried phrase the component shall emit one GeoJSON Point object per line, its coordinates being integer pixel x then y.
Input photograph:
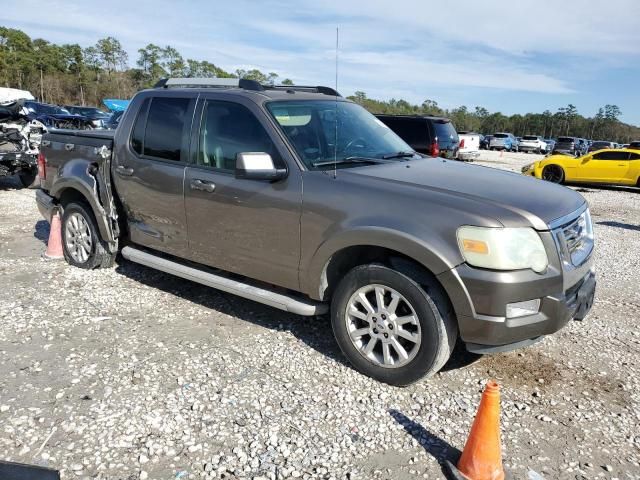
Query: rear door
{"type": "Point", "coordinates": [249, 227]}
{"type": "Point", "coordinates": [606, 166]}
{"type": "Point", "coordinates": [149, 172]}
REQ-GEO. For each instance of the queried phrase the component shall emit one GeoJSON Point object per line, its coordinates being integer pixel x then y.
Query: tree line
{"type": "Point", "coordinates": [566, 121]}
{"type": "Point", "coordinates": [70, 74]}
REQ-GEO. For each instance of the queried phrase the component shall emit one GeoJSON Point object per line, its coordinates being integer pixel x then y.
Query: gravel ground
{"type": "Point", "coordinates": [129, 373]}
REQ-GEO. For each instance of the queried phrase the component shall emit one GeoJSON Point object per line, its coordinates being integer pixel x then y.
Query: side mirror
{"type": "Point", "coordinates": [258, 166]}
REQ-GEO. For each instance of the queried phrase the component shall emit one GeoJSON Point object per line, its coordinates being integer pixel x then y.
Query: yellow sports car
{"type": "Point", "coordinates": [611, 166]}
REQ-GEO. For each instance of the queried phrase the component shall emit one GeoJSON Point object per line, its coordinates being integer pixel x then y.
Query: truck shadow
{"type": "Point", "coordinates": [41, 231]}
{"type": "Point", "coordinates": [624, 226]}
{"type": "Point", "coordinates": [315, 332]}
{"type": "Point", "coordinates": [435, 446]}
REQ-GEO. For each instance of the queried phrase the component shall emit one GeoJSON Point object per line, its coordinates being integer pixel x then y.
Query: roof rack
{"type": "Point", "coordinates": [243, 83]}
{"type": "Point", "coordinates": [304, 88]}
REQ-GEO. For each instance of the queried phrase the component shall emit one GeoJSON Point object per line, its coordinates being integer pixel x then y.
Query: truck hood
{"type": "Point", "coordinates": [515, 195]}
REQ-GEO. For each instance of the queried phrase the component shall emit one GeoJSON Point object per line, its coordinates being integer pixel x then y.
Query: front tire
{"type": "Point", "coordinates": [390, 327]}
{"type": "Point", "coordinates": [81, 242]}
{"type": "Point", "coordinates": [553, 174]}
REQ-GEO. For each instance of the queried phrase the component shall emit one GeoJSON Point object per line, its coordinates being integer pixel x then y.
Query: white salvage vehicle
{"type": "Point", "coordinates": [469, 147]}
{"type": "Point", "coordinates": [533, 143]}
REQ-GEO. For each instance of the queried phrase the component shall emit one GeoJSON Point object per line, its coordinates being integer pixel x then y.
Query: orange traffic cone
{"type": "Point", "coordinates": [482, 456]}
{"type": "Point", "coordinates": [54, 245]}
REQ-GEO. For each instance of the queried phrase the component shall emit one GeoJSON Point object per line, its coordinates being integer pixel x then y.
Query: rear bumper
{"type": "Point", "coordinates": [468, 155]}
{"type": "Point", "coordinates": [480, 297]}
{"type": "Point", "coordinates": [46, 204]}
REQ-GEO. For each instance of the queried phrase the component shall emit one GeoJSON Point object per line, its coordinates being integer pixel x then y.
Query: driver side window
{"type": "Point", "coordinates": [227, 129]}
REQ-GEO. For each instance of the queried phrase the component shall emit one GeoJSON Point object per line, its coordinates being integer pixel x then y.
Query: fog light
{"type": "Point", "coordinates": [522, 309]}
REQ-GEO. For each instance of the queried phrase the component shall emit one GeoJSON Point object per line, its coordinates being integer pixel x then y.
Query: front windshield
{"type": "Point", "coordinates": [312, 126]}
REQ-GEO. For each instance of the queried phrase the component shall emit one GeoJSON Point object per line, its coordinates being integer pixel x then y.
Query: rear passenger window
{"type": "Point", "coordinates": [165, 125]}
{"type": "Point", "coordinates": [634, 156]}
{"type": "Point", "coordinates": [228, 129]}
{"type": "Point", "coordinates": [138, 128]}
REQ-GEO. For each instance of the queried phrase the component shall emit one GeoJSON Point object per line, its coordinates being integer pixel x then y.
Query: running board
{"type": "Point", "coordinates": [288, 303]}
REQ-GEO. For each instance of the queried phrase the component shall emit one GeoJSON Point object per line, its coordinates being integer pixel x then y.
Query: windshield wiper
{"type": "Point", "coordinates": [399, 155]}
{"type": "Point", "coordinates": [343, 161]}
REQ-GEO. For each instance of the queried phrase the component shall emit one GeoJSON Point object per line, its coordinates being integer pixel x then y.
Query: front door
{"type": "Point", "coordinates": [605, 166]}
{"type": "Point", "coordinates": [249, 227]}
{"type": "Point", "coordinates": [149, 172]}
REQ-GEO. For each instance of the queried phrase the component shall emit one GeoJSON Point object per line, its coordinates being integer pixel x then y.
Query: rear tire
{"type": "Point", "coordinates": [81, 242]}
{"type": "Point", "coordinates": [412, 326]}
{"type": "Point", "coordinates": [553, 174]}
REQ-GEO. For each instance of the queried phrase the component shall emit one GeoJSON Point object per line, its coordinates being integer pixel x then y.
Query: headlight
{"type": "Point", "coordinates": [502, 248]}
{"type": "Point", "coordinates": [528, 168]}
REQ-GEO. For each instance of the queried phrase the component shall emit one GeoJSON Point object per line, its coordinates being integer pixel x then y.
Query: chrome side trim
{"type": "Point", "coordinates": [288, 303]}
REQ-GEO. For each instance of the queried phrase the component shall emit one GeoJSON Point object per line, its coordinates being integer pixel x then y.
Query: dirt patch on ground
{"type": "Point", "coordinates": [532, 368]}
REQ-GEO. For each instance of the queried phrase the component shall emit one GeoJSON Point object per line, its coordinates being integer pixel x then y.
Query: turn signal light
{"type": "Point", "coordinates": [475, 246]}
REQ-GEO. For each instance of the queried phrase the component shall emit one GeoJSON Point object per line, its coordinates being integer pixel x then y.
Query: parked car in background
{"type": "Point", "coordinates": [408, 253]}
{"type": "Point", "coordinates": [610, 166]}
{"type": "Point", "coordinates": [53, 116]}
{"type": "Point", "coordinates": [117, 107]}
{"type": "Point", "coordinates": [503, 141]}
{"type": "Point", "coordinates": [568, 146]}
{"type": "Point", "coordinates": [599, 145]}
{"type": "Point", "coordinates": [583, 146]}
{"type": "Point", "coordinates": [551, 143]}
{"type": "Point", "coordinates": [469, 148]}
{"type": "Point", "coordinates": [635, 145]}
{"type": "Point", "coordinates": [97, 116]}
{"type": "Point", "coordinates": [485, 141]}
{"type": "Point", "coordinates": [532, 143]}
{"type": "Point", "coordinates": [435, 136]}
{"type": "Point", "coordinates": [112, 122]}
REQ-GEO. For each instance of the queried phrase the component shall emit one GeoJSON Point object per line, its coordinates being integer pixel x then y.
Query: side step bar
{"type": "Point", "coordinates": [288, 303]}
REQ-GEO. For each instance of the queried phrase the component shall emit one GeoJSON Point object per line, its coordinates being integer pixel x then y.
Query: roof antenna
{"type": "Point", "coordinates": [335, 141]}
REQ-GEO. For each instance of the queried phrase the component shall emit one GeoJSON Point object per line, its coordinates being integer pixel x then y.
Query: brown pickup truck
{"type": "Point", "coordinates": [300, 199]}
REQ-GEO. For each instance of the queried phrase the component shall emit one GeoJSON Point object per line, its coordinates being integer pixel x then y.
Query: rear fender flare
{"type": "Point", "coordinates": [76, 175]}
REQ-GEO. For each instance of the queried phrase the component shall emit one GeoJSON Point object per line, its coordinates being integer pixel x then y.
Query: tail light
{"type": "Point", "coordinates": [42, 166]}
{"type": "Point", "coordinates": [462, 143]}
{"type": "Point", "coordinates": [435, 149]}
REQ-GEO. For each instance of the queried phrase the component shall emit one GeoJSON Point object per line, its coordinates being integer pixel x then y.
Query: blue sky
{"type": "Point", "coordinates": [512, 57]}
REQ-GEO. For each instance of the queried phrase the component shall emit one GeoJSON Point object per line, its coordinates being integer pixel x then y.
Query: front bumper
{"type": "Point", "coordinates": [46, 204]}
{"type": "Point", "coordinates": [479, 298]}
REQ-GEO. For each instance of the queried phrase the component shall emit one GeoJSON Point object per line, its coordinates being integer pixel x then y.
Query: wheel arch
{"type": "Point", "coordinates": [401, 252]}
{"type": "Point", "coordinates": [554, 164]}
{"type": "Point", "coordinates": [79, 193]}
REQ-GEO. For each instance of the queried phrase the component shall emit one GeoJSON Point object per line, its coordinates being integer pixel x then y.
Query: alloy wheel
{"type": "Point", "coordinates": [383, 326]}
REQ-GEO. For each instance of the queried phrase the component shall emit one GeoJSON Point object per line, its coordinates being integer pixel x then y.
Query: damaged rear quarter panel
{"type": "Point", "coordinates": [82, 169]}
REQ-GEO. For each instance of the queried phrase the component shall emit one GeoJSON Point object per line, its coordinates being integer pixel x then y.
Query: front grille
{"type": "Point", "coordinates": [576, 239]}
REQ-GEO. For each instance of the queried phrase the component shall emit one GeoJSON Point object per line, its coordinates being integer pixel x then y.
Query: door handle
{"type": "Point", "coordinates": [198, 184]}
{"type": "Point", "coordinates": [125, 171]}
